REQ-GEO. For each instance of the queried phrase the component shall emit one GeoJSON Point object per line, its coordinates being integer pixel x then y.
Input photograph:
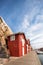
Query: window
{"type": "Point", "coordinates": [12, 38]}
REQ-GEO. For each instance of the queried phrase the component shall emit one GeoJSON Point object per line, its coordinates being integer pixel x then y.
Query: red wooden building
{"type": "Point", "coordinates": [17, 44]}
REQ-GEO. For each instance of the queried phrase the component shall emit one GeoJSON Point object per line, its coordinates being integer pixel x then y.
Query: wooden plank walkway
{"type": "Point", "coordinates": [29, 59]}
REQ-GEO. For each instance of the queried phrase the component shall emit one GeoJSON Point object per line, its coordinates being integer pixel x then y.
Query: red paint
{"type": "Point", "coordinates": [17, 44]}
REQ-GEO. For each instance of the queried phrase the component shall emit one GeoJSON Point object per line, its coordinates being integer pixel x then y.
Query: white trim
{"type": "Point", "coordinates": [23, 51]}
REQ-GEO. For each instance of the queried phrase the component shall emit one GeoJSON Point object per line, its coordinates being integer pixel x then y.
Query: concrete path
{"type": "Point", "coordinates": [29, 59]}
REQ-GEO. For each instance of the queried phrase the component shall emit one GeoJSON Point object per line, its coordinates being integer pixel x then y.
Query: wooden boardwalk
{"type": "Point", "coordinates": [29, 59]}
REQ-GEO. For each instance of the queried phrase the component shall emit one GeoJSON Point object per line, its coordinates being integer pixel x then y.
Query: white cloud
{"type": "Point", "coordinates": [35, 27]}
{"type": "Point", "coordinates": [28, 18]}
{"type": "Point", "coordinates": [39, 18]}
{"type": "Point", "coordinates": [36, 46]}
{"type": "Point", "coordinates": [25, 22]}
{"type": "Point", "coordinates": [36, 36]}
{"type": "Point", "coordinates": [38, 39]}
{"type": "Point", "coordinates": [33, 31]}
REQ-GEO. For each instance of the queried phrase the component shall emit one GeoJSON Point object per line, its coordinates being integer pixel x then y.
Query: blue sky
{"type": "Point", "coordinates": [24, 16]}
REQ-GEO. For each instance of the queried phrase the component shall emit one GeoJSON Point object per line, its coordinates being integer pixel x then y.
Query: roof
{"type": "Point", "coordinates": [19, 33]}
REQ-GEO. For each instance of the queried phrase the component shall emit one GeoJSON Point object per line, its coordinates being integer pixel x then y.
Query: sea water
{"type": "Point", "coordinates": [41, 58]}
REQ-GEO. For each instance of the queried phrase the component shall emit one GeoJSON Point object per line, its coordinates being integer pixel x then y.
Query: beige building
{"type": "Point", "coordinates": [4, 30]}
